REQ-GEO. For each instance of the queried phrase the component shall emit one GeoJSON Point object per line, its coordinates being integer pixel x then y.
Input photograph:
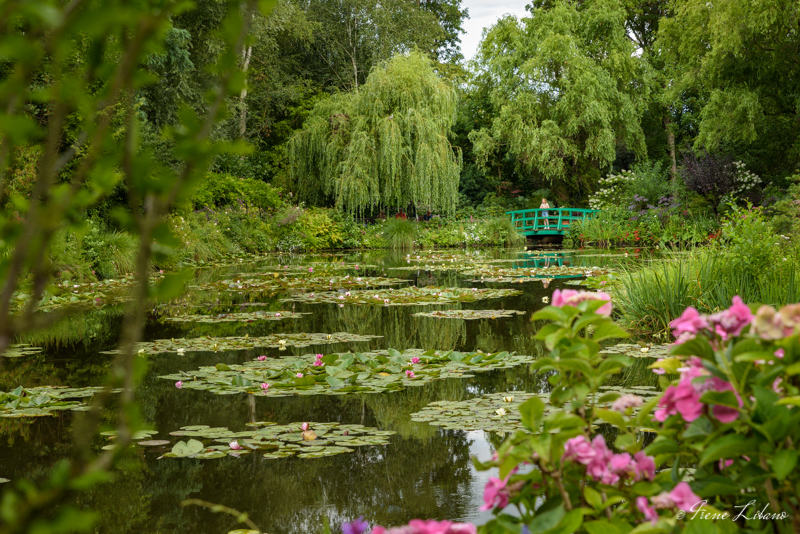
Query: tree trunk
{"type": "Point", "coordinates": [673, 171]}
{"type": "Point", "coordinates": [243, 95]}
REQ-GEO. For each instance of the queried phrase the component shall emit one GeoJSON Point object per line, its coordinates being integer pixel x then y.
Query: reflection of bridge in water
{"type": "Point", "coordinates": [556, 222]}
{"type": "Point", "coordinates": [545, 260]}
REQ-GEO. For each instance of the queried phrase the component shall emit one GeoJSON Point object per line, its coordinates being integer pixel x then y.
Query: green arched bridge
{"type": "Point", "coordinates": [533, 222]}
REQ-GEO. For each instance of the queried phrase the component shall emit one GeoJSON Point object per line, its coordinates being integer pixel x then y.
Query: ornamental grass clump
{"type": "Point", "coordinates": [400, 234]}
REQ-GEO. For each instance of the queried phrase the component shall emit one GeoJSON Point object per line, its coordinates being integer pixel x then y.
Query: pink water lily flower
{"type": "Point", "coordinates": [262, 358]}
{"type": "Point", "coordinates": [415, 359]}
{"type": "Point", "coordinates": [264, 386]}
{"type": "Point", "coordinates": [410, 374]}
{"type": "Point", "coordinates": [311, 269]}
{"type": "Point", "coordinates": [179, 384]}
{"type": "Point", "coordinates": [299, 375]}
{"type": "Point", "coordinates": [304, 427]}
{"type": "Point", "coordinates": [234, 445]}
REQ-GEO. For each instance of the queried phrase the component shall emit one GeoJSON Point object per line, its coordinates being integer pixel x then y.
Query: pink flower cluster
{"type": "Point", "coordinates": [570, 297]}
{"type": "Point", "coordinates": [318, 360]}
{"type": "Point", "coordinates": [684, 399]}
{"type": "Point", "coordinates": [431, 526]}
{"type": "Point", "coordinates": [725, 324]}
{"type": "Point", "coordinates": [771, 324]}
{"type": "Point", "coordinates": [681, 497]}
{"type": "Point", "coordinates": [603, 465]}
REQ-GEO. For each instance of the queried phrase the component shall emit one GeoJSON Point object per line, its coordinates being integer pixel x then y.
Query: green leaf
{"type": "Point", "coordinates": [729, 446]}
{"type": "Point", "coordinates": [335, 383]}
{"type": "Point", "coordinates": [611, 416]}
{"type": "Point", "coordinates": [609, 330]}
{"type": "Point", "coordinates": [595, 500]}
{"type": "Point", "coordinates": [222, 367]}
{"type": "Point", "coordinates": [531, 411]}
{"type": "Point", "coordinates": [722, 398]}
{"type": "Point", "coordinates": [602, 526]}
{"type": "Point", "coordinates": [783, 463]}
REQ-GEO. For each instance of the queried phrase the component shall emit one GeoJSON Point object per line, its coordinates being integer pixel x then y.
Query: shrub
{"type": "Point", "coordinates": [723, 433]}
{"type": "Point", "coordinates": [222, 190]}
{"type": "Point", "coordinates": [501, 231]}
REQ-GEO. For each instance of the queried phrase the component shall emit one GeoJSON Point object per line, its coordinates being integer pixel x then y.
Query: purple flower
{"type": "Point", "coordinates": [358, 526]}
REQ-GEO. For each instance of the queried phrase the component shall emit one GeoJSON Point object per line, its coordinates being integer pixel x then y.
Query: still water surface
{"type": "Point", "coordinates": [424, 471]}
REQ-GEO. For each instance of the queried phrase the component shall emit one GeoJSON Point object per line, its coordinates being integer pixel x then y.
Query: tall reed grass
{"type": "Point", "coordinates": [400, 234]}
{"type": "Point", "coordinates": [706, 279]}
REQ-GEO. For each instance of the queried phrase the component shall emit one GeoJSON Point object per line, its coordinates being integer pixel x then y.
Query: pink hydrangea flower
{"type": "Point", "coordinates": [724, 464]}
{"type": "Point", "coordinates": [683, 497]}
{"type": "Point", "coordinates": [648, 511]}
{"type": "Point", "coordinates": [495, 493]}
{"type": "Point", "coordinates": [690, 322]}
{"type": "Point", "coordinates": [732, 321]}
{"type": "Point", "coordinates": [644, 466]}
{"type": "Point", "coordinates": [418, 526]}
{"type": "Point", "coordinates": [579, 449]}
{"type": "Point", "coordinates": [627, 401]}
{"type": "Point", "coordinates": [570, 297]}
{"type": "Point", "coordinates": [725, 414]}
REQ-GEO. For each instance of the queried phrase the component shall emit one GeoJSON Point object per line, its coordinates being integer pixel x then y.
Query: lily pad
{"type": "Point", "coordinates": [469, 314]}
{"type": "Point", "coordinates": [498, 412]}
{"type": "Point", "coordinates": [409, 296]}
{"type": "Point", "coordinates": [240, 317]}
{"type": "Point", "coordinates": [44, 400]}
{"type": "Point", "coordinates": [21, 350]}
{"type": "Point", "coordinates": [281, 282]}
{"type": "Point", "coordinates": [216, 344]}
{"type": "Point", "coordinates": [278, 441]}
{"type": "Point", "coordinates": [153, 442]}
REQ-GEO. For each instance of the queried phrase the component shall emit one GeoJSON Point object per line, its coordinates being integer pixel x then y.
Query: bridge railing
{"type": "Point", "coordinates": [558, 220]}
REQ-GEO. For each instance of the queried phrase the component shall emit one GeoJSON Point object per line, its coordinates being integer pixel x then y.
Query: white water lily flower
{"type": "Point", "coordinates": [644, 349]}
{"type": "Point", "coordinates": [181, 351]}
{"type": "Point", "coordinates": [508, 399]}
{"type": "Point", "coordinates": [546, 299]}
{"type": "Point", "coordinates": [501, 412]}
{"type": "Point", "coordinates": [282, 342]}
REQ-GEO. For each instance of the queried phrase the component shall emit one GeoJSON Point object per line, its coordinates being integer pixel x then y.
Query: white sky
{"type": "Point", "coordinates": [482, 14]}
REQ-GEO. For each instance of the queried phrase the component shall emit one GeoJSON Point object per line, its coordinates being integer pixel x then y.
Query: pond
{"type": "Point", "coordinates": [401, 467]}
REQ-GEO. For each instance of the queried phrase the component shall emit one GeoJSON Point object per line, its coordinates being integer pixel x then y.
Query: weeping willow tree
{"type": "Point", "coordinates": [383, 146]}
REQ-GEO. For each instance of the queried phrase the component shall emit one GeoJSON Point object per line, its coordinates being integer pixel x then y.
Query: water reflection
{"type": "Point", "coordinates": [424, 471]}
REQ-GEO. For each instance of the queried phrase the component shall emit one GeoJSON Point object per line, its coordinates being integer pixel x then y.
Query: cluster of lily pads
{"type": "Point", "coordinates": [494, 272]}
{"type": "Point", "coordinates": [236, 317]}
{"type": "Point", "coordinates": [469, 314]}
{"type": "Point", "coordinates": [341, 373]}
{"type": "Point", "coordinates": [643, 350]}
{"type": "Point", "coordinates": [303, 440]}
{"type": "Point", "coordinates": [278, 283]}
{"type": "Point", "coordinates": [43, 401]}
{"type": "Point", "coordinates": [499, 412]}
{"type": "Point", "coordinates": [18, 351]}
{"type": "Point", "coordinates": [410, 296]}
{"type": "Point", "coordinates": [217, 344]}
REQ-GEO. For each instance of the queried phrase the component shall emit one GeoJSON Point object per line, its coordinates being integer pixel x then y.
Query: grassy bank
{"type": "Point", "coordinates": [749, 259]}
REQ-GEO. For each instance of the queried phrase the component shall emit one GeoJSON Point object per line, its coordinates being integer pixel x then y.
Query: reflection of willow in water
{"type": "Point", "coordinates": [93, 328]}
{"type": "Point", "coordinates": [395, 324]}
{"type": "Point", "coordinates": [394, 411]}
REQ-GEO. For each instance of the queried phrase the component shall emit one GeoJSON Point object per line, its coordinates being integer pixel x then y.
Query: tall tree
{"type": "Point", "coordinates": [567, 87]}
{"type": "Point", "coordinates": [745, 56]}
{"type": "Point", "coordinates": [385, 146]}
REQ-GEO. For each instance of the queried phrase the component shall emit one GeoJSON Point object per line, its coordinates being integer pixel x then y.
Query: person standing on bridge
{"type": "Point", "coordinates": [545, 206]}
